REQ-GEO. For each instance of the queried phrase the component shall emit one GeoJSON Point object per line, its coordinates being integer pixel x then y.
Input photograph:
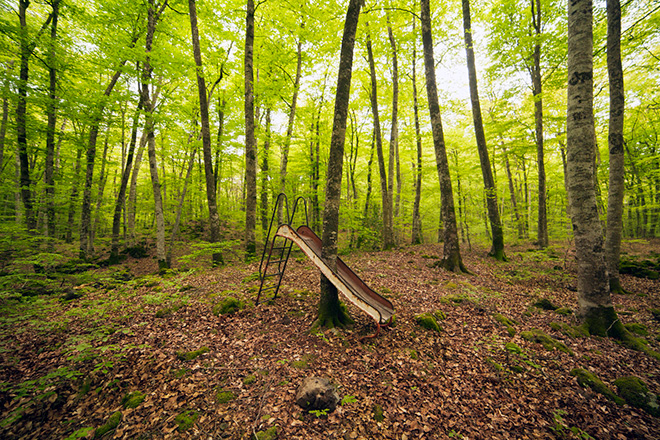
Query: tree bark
{"type": "Point", "coordinates": [214, 219]}
{"type": "Point", "coordinates": [51, 111]}
{"type": "Point", "coordinates": [394, 132]}
{"type": "Point", "coordinates": [497, 249]}
{"type": "Point", "coordinates": [615, 144]}
{"type": "Point", "coordinates": [99, 196]}
{"type": "Point", "coordinates": [5, 115]}
{"type": "Point", "coordinates": [451, 259]}
{"type": "Point", "coordinates": [330, 311]}
{"type": "Point", "coordinates": [417, 237]}
{"type": "Point", "coordinates": [386, 195]}
{"type": "Point", "coordinates": [594, 299]}
{"type": "Point", "coordinates": [265, 193]}
{"type": "Point", "coordinates": [250, 142]}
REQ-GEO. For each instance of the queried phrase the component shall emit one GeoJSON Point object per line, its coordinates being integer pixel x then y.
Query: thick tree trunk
{"type": "Point", "coordinates": [497, 249]}
{"type": "Point", "coordinates": [615, 143]}
{"type": "Point", "coordinates": [330, 311]}
{"type": "Point", "coordinates": [250, 142]}
{"type": "Point", "coordinates": [451, 259]}
{"type": "Point", "coordinates": [542, 225]}
{"type": "Point", "coordinates": [386, 195]}
{"type": "Point", "coordinates": [51, 111]}
{"type": "Point", "coordinates": [214, 219]}
{"type": "Point", "coordinates": [594, 299]}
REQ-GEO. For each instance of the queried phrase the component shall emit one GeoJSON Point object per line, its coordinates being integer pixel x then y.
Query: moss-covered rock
{"type": "Point", "coordinates": [550, 344]}
{"type": "Point", "coordinates": [268, 434]}
{"type": "Point", "coordinates": [110, 425]}
{"type": "Point", "coordinates": [132, 400]}
{"type": "Point", "coordinates": [428, 321]}
{"type": "Point", "coordinates": [186, 420]}
{"type": "Point", "coordinates": [190, 355]}
{"type": "Point", "coordinates": [545, 304]}
{"type": "Point", "coordinates": [512, 347]}
{"type": "Point", "coordinates": [640, 268]}
{"type": "Point", "coordinates": [587, 379]}
{"type": "Point", "coordinates": [569, 330]}
{"type": "Point", "coordinates": [635, 392]}
{"type": "Point", "coordinates": [228, 306]}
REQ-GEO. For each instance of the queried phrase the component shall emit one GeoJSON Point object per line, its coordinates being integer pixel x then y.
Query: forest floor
{"type": "Point", "coordinates": [117, 353]}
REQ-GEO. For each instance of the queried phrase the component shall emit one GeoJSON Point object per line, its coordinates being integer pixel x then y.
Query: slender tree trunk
{"type": "Point", "coordinates": [594, 299]}
{"type": "Point", "coordinates": [615, 143]}
{"type": "Point", "coordinates": [289, 127]}
{"type": "Point", "coordinates": [542, 226]}
{"type": "Point", "coordinates": [51, 111]}
{"type": "Point", "coordinates": [131, 206]}
{"type": "Point", "coordinates": [214, 219]}
{"type": "Point", "coordinates": [417, 236]}
{"type": "Point", "coordinates": [497, 250]}
{"type": "Point", "coordinates": [452, 255]}
{"type": "Point", "coordinates": [265, 193]}
{"type": "Point", "coordinates": [5, 115]}
{"type": "Point", "coordinates": [73, 198]}
{"type": "Point", "coordinates": [121, 196]}
{"type": "Point", "coordinates": [367, 197]}
{"type": "Point", "coordinates": [512, 192]}
{"type": "Point", "coordinates": [99, 197]}
{"type": "Point", "coordinates": [394, 131]}
{"type": "Point", "coordinates": [149, 107]}
{"type": "Point", "coordinates": [386, 195]}
{"type": "Point", "coordinates": [177, 222]}
{"type": "Point", "coordinates": [316, 171]}
{"type": "Point", "coordinates": [330, 312]}
{"type": "Point", "coordinates": [250, 142]}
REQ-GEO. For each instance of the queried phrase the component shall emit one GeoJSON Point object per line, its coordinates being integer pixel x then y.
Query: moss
{"type": "Point", "coordinates": [457, 298]}
{"type": "Point", "coordinates": [656, 314]}
{"type": "Point", "coordinates": [414, 355]}
{"type": "Point", "coordinates": [508, 323]}
{"type": "Point", "coordinates": [440, 315]}
{"type": "Point", "coordinates": [545, 304]}
{"type": "Point", "coordinates": [637, 328]}
{"type": "Point", "coordinates": [569, 330]}
{"type": "Point", "coordinates": [186, 420]}
{"type": "Point", "coordinates": [512, 348]}
{"type": "Point", "coordinates": [190, 355]}
{"type": "Point", "coordinates": [132, 400]}
{"type": "Point", "coordinates": [536, 335]}
{"type": "Point", "coordinates": [228, 306]}
{"type": "Point", "coordinates": [564, 311]}
{"type": "Point", "coordinates": [378, 413]}
{"type": "Point", "coordinates": [517, 369]}
{"type": "Point", "coordinates": [587, 379]}
{"type": "Point", "coordinates": [224, 396]}
{"type": "Point", "coordinates": [162, 313]}
{"type": "Point", "coordinates": [635, 392]}
{"type": "Point", "coordinates": [269, 434]}
{"type": "Point", "coordinates": [181, 372]}
{"type": "Point", "coordinates": [249, 380]}
{"type": "Point", "coordinates": [494, 364]}
{"type": "Point", "coordinates": [428, 321]}
{"type": "Point", "coordinates": [303, 363]}
{"type": "Point", "coordinates": [110, 425]}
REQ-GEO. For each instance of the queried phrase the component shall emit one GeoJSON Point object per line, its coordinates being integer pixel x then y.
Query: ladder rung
{"type": "Point", "coordinates": [276, 261]}
{"type": "Point", "coordinates": [273, 275]}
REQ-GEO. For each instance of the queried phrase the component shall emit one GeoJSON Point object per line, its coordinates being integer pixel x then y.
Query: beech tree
{"type": "Point", "coordinates": [250, 142]}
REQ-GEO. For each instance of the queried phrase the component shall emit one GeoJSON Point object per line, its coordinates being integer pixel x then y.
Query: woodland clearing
{"type": "Point", "coordinates": [151, 348]}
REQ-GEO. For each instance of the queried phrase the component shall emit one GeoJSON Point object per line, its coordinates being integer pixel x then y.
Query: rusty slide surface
{"type": "Point", "coordinates": [346, 281]}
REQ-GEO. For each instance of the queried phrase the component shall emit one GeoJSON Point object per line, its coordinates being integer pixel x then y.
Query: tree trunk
{"type": "Point", "coordinates": [250, 142]}
{"type": "Point", "coordinates": [177, 222]}
{"type": "Point", "coordinates": [497, 250]}
{"type": "Point", "coordinates": [615, 143]}
{"type": "Point", "coordinates": [214, 219]}
{"type": "Point", "coordinates": [394, 131]}
{"type": "Point", "coordinates": [451, 259]}
{"type": "Point", "coordinates": [121, 196]}
{"type": "Point", "coordinates": [542, 226]}
{"type": "Point", "coordinates": [367, 197]}
{"type": "Point", "coordinates": [265, 193]}
{"type": "Point", "coordinates": [73, 198]}
{"type": "Point", "coordinates": [149, 107]}
{"type": "Point", "coordinates": [5, 115]}
{"type": "Point", "coordinates": [51, 111]}
{"type": "Point", "coordinates": [594, 299]}
{"type": "Point", "coordinates": [330, 311]}
{"type": "Point", "coordinates": [99, 197]}
{"type": "Point", "coordinates": [289, 127]}
{"type": "Point", "coordinates": [417, 237]}
{"type": "Point", "coordinates": [386, 195]}
{"type": "Point", "coordinates": [132, 193]}
{"type": "Point", "coordinates": [512, 192]}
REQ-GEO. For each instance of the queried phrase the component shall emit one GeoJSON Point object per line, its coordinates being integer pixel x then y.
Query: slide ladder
{"type": "Point", "coordinates": [347, 282]}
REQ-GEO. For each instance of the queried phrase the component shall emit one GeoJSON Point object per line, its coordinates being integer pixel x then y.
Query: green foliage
{"type": "Point", "coordinates": [550, 344]}
{"type": "Point", "coordinates": [319, 412]}
{"type": "Point", "coordinates": [228, 306]}
{"type": "Point", "coordinates": [348, 399]}
{"type": "Point", "coordinates": [110, 425]}
{"type": "Point", "coordinates": [186, 420]}
{"type": "Point", "coordinates": [80, 433]}
{"type": "Point", "coordinates": [587, 379]}
{"type": "Point", "coordinates": [190, 355]}
{"type": "Point", "coordinates": [636, 393]}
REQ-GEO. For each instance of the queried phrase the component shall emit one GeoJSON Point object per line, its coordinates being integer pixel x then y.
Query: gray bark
{"type": "Point", "coordinates": [250, 142]}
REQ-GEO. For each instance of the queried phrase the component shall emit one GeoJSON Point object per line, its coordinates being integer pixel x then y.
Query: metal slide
{"type": "Point", "coordinates": [346, 281]}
